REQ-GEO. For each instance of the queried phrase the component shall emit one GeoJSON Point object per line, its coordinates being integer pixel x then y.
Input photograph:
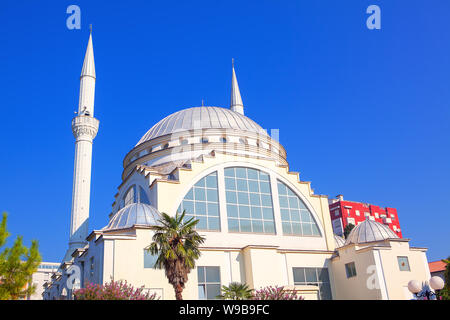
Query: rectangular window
{"type": "Point", "coordinates": [92, 266]}
{"type": "Point", "coordinates": [403, 263]}
{"type": "Point", "coordinates": [208, 282]}
{"type": "Point", "coordinates": [314, 277]}
{"type": "Point", "coordinates": [350, 269]}
{"type": "Point", "coordinates": [149, 259]}
{"type": "Point", "coordinates": [357, 213]}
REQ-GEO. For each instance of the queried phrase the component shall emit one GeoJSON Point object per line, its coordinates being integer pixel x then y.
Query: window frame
{"type": "Point", "coordinates": [350, 270]}
{"type": "Point", "coordinates": [204, 282]}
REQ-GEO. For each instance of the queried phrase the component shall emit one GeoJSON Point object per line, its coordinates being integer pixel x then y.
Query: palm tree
{"type": "Point", "coordinates": [236, 291]}
{"type": "Point", "coordinates": [177, 245]}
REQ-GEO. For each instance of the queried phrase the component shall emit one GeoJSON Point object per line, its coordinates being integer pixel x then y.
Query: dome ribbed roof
{"type": "Point", "coordinates": [134, 214]}
{"type": "Point", "coordinates": [339, 241]}
{"type": "Point", "coordinates": [202, 118]}
{"type": "Point", "coordinates": [369, 231]}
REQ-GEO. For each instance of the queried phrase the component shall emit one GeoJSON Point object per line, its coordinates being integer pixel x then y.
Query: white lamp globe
{"type": "Point", "coordinates": [414, 286]}
{"type": "Point", "coordinates": [436, 283]}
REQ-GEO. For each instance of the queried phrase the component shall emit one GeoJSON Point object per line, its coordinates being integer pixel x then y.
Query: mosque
{"type": "Point", "coordinates": [263, 225]}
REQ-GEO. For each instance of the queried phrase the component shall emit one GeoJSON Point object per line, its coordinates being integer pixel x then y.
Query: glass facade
{"type": "Point", "coordinates": [296, 219]}
{"type": "Point", "coordinates": [208, 282]}
{"type": "Point", "coordinates": [316, 277]}
{"type": "Point", "coordinates": [248, 200]}
{"type": "Point", "coordinates": [202, 203]}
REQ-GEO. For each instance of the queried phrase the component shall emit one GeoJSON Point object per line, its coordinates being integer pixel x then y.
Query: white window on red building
{"type": "Point", "coordinates": [357, 213]}
{"type": "Point", "coordinates": [376, 215]}
{"type": "Point", "coordinates": [366, 214]}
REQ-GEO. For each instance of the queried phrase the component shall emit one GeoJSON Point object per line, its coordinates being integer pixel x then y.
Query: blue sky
{"type": "Point", "coordinates": [364, 113]}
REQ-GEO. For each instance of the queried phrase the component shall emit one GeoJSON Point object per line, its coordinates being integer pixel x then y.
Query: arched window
{"type": "Point", "coordinates": [249, 201]}
{"type": "Point", "coordinates": [130, 196]}
{"type": "Point", "coordinates": [202, 203]}
{"type": "Point", "coordinates": [296, 219]}
{"type": "Point", "coordinates": [135, 194]}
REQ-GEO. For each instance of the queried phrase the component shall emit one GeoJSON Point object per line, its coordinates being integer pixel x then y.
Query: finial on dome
{"type": "Point", "coordinates": [236, 100]}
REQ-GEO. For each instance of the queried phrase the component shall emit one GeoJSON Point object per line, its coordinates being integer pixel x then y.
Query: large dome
{"type": "Point", "coordinates": [134, 214]}
{"type": "Point", "coordinates": [202, 118]}
{"type": "Point", "coordinates": [369, 231]}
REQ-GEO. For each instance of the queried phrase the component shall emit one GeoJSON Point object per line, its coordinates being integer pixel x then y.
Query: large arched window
{"type": "Point", "coordinates": [202, 203]}
{"type": "Point", "coordinates": [296, 219]}
{"type": "Point", "coordinates": [249, 201]}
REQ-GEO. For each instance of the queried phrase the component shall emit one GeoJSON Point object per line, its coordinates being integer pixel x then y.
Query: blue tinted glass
{"type": "Point", "coordinates": [213, 209]}
{"type": "Point", "coordinates": [241, 185]}
{"type": "Point", "coordinates": [149, 259]}
{"type": "Point", "coordinates": [200, 183]}
{"type": "Point", "coordinates": [233, 224]}
{"type": "Point", "coordinates": [200, 208]}
{"type": "Point", "coordinates": [263, 176]}
{"type": "Point", "coordinates": [229, 172]}
{"type": "Point", "coordinates": [254, 199]}
{"type": "Point", "coordinates": [230, 184]}
{"type": "Point", "coordinates": [257, 226]}
{"type": "Point", "coordinates": [188, 206]}
{"type": "Point", "coordinates": [266, 200]}
{"type": "Point", "coordinates": [242, 198]}
{"type": "Point", "coordinates": [256, 212]}
{"type": "Point", "coordinates": [285, 215]}
{"type": "Point", "coordinates": [231, 197]}
{"type": "Point", "coordinates": [190, 195]}
{"type": "Point", "coordinates": [267, 213]}
{"type": "Point", "coordinates": [284, 202]}
{"type": "Point", "coordinates": [306, 228]}
{"type": "Point", "coordinates": [264, 187]}
{"type": "Point", "coordinates": [211, 195]}
{"type": "Point", "coordinates": [213, 223]}
{"type": "Point", "coordinates": [281, 189]}
{"type": "Point", "coordinates": [269, 227]}
{"type": "Point", "coordinates": [305, 216]}
{"type": "Point", "coordinates": [241, 173]}
{"type": "Point", "coordinates": [252, 174]}
{"type": "Point", "coordinates": [199, 194]}
{"type": "Point", "coordinates": [245, 225]}
{"type": "Point", "coordinates": [232, 210]}
{"type": "Point", "coordinates": [211, 181]}
{"type": "Point", "coordinates": [295, 215]}
{"type": "Point", "coordinates": [286, 227]}
{"type": "Point", "coordinates": [201, 274]}
{"type": "Point", "coordinates": [253, 186]}
{"type": "Point", "coordinates": [244, 212]}
{"type": "Point", "coordinates": [202, 223]}
{"type": "Point", "coordinates": [296, 228]}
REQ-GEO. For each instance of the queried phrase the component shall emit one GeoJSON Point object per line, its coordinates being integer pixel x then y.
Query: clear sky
{"type": "Point", "coordinates": [364, 113]}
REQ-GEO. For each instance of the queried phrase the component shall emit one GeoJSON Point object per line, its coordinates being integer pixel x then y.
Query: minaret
{"type": "Point", "coordinates": [236, 100]}
{"type": "Point", "coordinates": [84, 128]}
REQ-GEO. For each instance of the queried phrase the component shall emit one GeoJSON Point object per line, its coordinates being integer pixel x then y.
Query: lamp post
{"type": "Point", "coordinates": [422, 290]}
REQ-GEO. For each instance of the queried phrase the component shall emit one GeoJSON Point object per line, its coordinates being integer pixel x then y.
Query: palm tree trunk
{"type": "Point", "coordinates": [178, 291]}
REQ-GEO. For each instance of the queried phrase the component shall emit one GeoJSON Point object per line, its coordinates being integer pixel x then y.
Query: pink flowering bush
{"type": "Point", "coordinates": [276, 293]}
{"type": "Point", "coordinates": [113, 290]}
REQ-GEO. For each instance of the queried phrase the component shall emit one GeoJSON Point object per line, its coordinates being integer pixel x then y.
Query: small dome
{"type": "Point", "coordinates": [134, 214]}
{"type": "Point", "coordinates": [339, 241]}
{"type": "Point", "coordinates": [202, 118]}
{"type": "Point", "coordinates": [369, 231]}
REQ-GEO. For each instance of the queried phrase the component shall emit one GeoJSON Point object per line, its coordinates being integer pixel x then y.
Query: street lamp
{"type": "Point", "coordinates": [422, 290]}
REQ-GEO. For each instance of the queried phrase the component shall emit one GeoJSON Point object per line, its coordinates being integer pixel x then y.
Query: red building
{"type": "Point", "coordinates": [345, 212]}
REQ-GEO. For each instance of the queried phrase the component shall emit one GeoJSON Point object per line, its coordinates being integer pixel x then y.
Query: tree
{"type": "Point", "coordinates": [348, 228]}
{"type": "Point", "coordinates": [17, 265]}
{"type": "Point", "coordinates": [236, 291]}
{"type": "Point", "coordinates": [177, 245]}
{"type": "Point", "coordinates": [444, 294]}
{"type": "Point", "coordinates": [113, 290]}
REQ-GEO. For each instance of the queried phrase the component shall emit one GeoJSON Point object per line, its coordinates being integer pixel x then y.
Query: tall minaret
{"type": "Point", "coordinates": [84, 128]}
{"type": "Point", "coordinates": [236, 100]}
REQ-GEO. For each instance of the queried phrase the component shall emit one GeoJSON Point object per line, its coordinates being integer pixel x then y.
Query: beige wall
{"type": "Point", "coordinates": [378, 260]}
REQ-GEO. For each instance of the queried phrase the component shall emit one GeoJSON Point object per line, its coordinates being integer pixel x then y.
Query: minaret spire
{"type": "Point", "coordinates": [84, 128]}
{"type": "Point", "coordinates": [236, 100]}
